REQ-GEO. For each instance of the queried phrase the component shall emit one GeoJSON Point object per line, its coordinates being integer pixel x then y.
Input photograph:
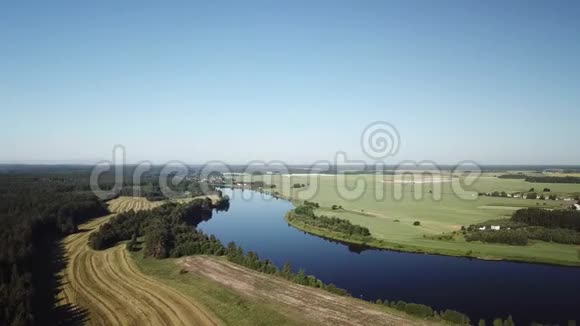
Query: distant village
{"type": "Point", "coordinates": [574, 202]}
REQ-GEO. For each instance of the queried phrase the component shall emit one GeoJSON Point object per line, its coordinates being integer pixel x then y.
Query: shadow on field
{"type": "Point", "coordinates": [48, 262]}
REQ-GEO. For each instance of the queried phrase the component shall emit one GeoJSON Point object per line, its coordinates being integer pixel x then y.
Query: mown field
{"type": "Point", "coordinates": [126, 203]}
{"type": "Point", "coordinates": [391, 218]}
{"type": "Point", "coordinates": [112, 289]}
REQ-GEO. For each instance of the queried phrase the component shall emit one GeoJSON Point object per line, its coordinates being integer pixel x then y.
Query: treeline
{"type": "Point", "coordinates": [565, 219]}
{"type": "Point", "coordinates": [426, 312]}
{"type": "Point", "coordinates": [511, 237]}
{"type": "Point", "coordinates": [559, 226]}
{"type": "Point", "coordinates": [553, 179]}
{"type": "Point", "coordinates": [35, 211]}
{"type": "Point", "coordinates": [541, 178]}
{"type": "Point", "coordinates": [163, 227]}
{"type": "Point", "coordinates": [251, 260]}
{"type": "Point", "coordinates": [512, 176]}
{"type": "Point", "coordinates": [520, 237]}
{"type": "Point", "coordinates": [305, 214]}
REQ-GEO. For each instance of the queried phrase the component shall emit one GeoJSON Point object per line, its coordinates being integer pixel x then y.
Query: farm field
{"type": "Point", "coordinates": [391, 219]}
{"type": "Point", "coordinates": [112, 289]}
{"type": "Point", "coordinates": [126, 203]}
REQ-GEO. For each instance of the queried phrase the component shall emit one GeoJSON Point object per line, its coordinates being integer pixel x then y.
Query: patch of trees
{"type": "Point", "coordinates": [511, 237]}
{"type": "Point", "coordinates": [298, 185]}
{"type": "Point", "coordinates": [565, 236]}
{"type": "Point", "coordinates": [502, 222]}
{"type": "Point", "coordinates": [305, 214]}
{"type": "Point", "coordinates": [530, 224]}
{"type": "Point", "coordinates": [512, 176]}
{"type": "Point", "coordinates": [565, 219]}
{"type": "Point", "coordinates": [35, 211]}
{"type": "Point", "coordinates": [426, 312]}
{"type": "Point", "coordinates": [494, 194]}
{"type": "Point", "coordinates": [251, 260]}
{"type": "Point", "coordinates": [161, 227]}
{"type": "Point", "coordinates": [533, 195]}
{"type": "Point", "coordinates": [336, 207]}
{"type": "Point", "coordinates": [311, 204]}
{"type": "Point", "coordinates": [553, 179]}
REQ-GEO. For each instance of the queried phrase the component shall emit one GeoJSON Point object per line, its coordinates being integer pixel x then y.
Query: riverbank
{"type": "Point", "coordinates": [374, 243]}
{"type": "Point", "coordinates": [309, 305]}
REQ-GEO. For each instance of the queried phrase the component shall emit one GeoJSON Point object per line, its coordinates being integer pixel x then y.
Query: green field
{"type": "Point", "coordinates": [391, 219]}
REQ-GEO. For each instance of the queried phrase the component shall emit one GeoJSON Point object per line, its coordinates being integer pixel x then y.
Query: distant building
{"type": "Point", "coordinates": [577, 207]}
{"type": "Point", "coordinates": [482, 228]}
{"type": "Point", "coordinates": [495, 227]}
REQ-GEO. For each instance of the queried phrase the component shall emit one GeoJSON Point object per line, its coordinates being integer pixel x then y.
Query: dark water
{"type": "Point", "coordinates": [481, 289]}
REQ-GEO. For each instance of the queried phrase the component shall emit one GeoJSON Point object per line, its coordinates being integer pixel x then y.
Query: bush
{"type": "Point", "coordinates": [455, 317]}
{"type": "Point", "coordinates": [400, 305]}
{"type": "Point", "coordinates": [416, 223]}
{"type": "Point", "coordinates": [418, 310]}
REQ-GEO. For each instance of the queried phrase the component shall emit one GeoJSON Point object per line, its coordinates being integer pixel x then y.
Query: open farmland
{"type": "Point", "coordinates": [126, 203]}
{"type": "Point", "coordinates": [391, 218]}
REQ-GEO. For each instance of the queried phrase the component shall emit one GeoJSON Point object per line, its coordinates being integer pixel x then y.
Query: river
{"type": "Point", "coordinates": [478, 288]}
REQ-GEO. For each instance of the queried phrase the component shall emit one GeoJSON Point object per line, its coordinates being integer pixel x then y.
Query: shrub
{"type": "Point", "coordinates": [416, 223]}
{"type": "Point", "coordinates": [455, 317]}
{"type": "Point", "coordinates": [418, 310]}
{"type": "Point", "coordinates": [400, 305]}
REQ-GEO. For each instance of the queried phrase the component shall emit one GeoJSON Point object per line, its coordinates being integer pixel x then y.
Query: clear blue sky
{"type": "Point", "coordinates": [491, 81]}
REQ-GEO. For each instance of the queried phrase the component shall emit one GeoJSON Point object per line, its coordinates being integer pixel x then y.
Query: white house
{"type": "Point", "coordinates": [482, 228]}
{"type": "Point", "coordinates": [495, 227]}
{"type": "Point", "coordinates": [577, 207]}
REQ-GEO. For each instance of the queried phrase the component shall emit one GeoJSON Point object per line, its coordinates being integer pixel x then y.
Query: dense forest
{"type": "Point", "coordinates": [35, 211]}
{"type": "Point", "coordinates": [565, 219]}
{"type": "Point", "coordinates": [305, 214]}
{"type": "Point", "coordinates": [39, 205]}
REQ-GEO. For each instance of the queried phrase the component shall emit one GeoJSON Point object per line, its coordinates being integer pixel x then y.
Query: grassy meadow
{"type": "Point", "coordinates": [391, 219]}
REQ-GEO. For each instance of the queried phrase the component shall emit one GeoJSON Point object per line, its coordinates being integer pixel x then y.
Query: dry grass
{"type": "Point", "coordinates": [126, 203]}
{"type": "Point", "coordinates": [314, 305]}
{"type": "Point", "coordinates": [115, 292]}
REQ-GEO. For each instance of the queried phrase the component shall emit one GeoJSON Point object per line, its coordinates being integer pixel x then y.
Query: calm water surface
{"type": "Point", "coordinates": [481, 289]}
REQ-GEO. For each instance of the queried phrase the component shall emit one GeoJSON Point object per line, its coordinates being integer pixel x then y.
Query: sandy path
{"type": "Point", "coordinates": [109, 285]}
